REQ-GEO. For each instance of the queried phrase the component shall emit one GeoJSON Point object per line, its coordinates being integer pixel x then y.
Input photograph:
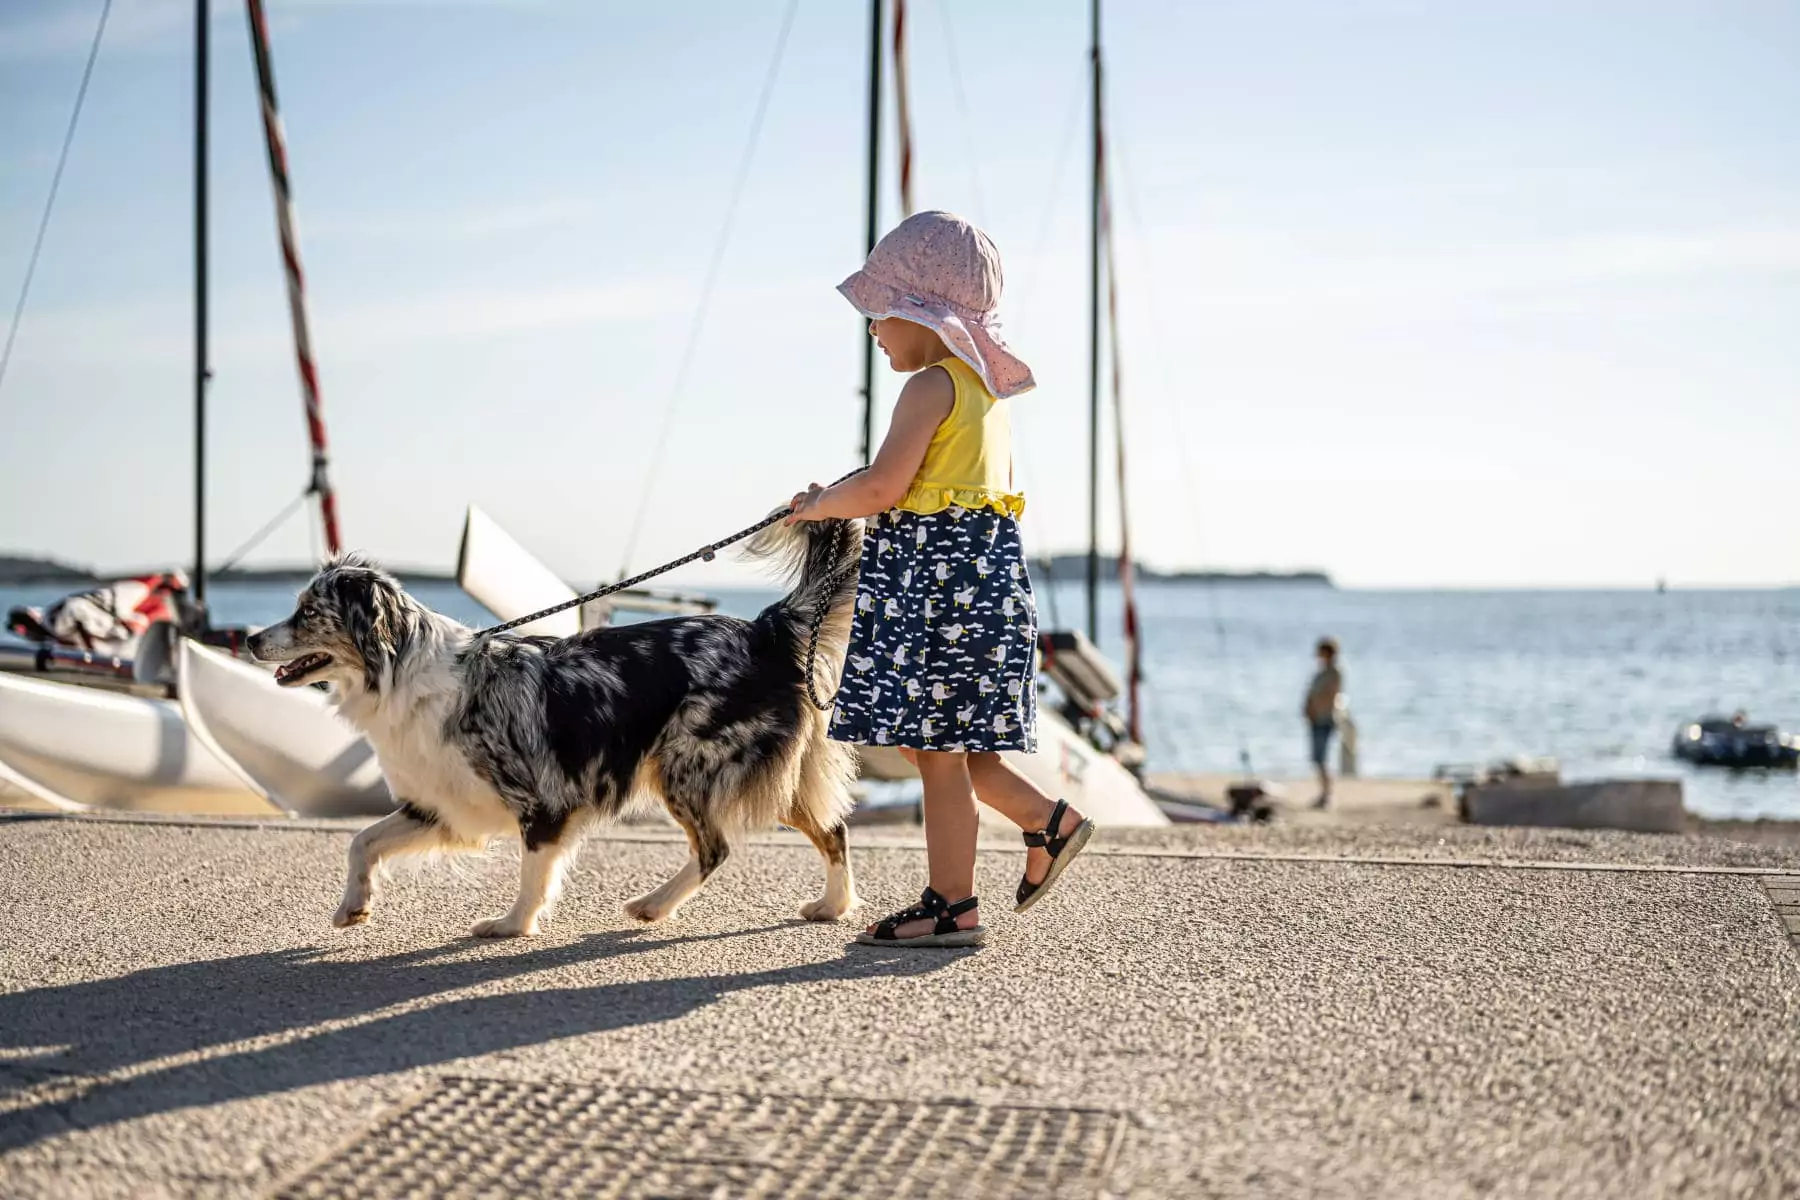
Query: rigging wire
{"type": "Point", "coordinates": [1022, 455]}
{"type": "Point", "coordinates": [962, 111]}
{"type": "Point", "coordinates": [1133, 630]}
{"type": "Point", "coordinates": [707, 288]}
{"type": "Point", "coordinates": [62, 160]}
{"type": "Point", "coordinates": [261, 535]}
{"type": "Point", "coordinates": [1128, 194]}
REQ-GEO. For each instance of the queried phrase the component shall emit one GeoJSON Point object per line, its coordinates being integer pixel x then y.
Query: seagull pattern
{"type": "Point", "coordinates": [917, 569]}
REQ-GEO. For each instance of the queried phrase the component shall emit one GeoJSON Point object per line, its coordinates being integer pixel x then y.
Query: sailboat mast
{"type": "Point", "coordinates": [275, 142]}
{"type": "Point", "coordinates": [200, 360]}
{"type": "Point", "coordinates": [1093, 562]}
{"type": "Point", "coordinates": [871, 228]}
{"type": "Point", "coordinates": [901, 111]}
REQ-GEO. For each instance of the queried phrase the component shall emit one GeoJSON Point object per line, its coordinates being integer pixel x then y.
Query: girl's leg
{"type": "Point", "coordinates": [950, 825]}
{"type": "Point", "coordinates": [1003, 789]}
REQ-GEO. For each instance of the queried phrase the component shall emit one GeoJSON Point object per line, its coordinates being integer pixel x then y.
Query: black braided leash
{"type": "Point", "coordinates": [820, 608]}
{"type": "Point", "coordinates": [708, 552]}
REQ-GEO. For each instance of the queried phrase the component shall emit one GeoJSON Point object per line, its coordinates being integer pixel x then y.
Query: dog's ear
{"type": "Point", "coordinates": [372, 619]}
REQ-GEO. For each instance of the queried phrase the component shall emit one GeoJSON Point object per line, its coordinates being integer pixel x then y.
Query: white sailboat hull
{"type": "Point", "coordinates": [1064, 765]}
{"type": "Point", "coordinates": [285, 744]}
{"type": "Point", "coordinates": [78, 748]}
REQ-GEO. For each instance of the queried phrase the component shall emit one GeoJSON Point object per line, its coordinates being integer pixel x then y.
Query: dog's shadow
{"type": "Point", "coordinates": [191, 1012]}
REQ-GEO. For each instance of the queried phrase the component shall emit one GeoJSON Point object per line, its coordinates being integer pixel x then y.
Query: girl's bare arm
{"type": "Point", "coordinates": [924, 403]}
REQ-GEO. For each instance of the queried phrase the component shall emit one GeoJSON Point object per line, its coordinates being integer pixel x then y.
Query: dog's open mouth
{"type": "Point", "coordinates": [290, 673]}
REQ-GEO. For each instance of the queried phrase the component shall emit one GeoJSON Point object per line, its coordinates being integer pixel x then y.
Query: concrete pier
{"type": "Point", "coordinates": [1300, 1011]}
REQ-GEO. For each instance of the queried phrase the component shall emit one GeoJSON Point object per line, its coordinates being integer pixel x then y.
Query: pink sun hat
{"type": "Point", "coordinates": [937, 270]}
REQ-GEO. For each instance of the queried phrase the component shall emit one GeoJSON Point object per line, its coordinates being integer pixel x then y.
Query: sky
{"type": "Point", "coordinates": [1418, 292]}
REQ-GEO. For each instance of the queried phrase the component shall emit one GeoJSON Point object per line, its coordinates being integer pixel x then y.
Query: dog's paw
{"type": "Point", "coordinates": [645, 909]}
{"type": "Point", "coordinates": [825, 908]}
{"type": "Point", "coordinates": [346, 916]}
{"type": "Point", "coordinates": [503, 927]}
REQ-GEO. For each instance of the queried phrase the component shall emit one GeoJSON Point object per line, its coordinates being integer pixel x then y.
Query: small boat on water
{"type": "Point", "coordinates": [1734, 742]}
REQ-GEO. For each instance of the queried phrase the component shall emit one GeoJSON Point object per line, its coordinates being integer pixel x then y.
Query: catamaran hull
{"type": "Point", "coordinates": [78, 748]}
{"type": "Point", "coordinates": [285, 744]}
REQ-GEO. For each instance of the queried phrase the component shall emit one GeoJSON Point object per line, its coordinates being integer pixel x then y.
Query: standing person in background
{"type": "Point", "coordinates": [1320, 711]}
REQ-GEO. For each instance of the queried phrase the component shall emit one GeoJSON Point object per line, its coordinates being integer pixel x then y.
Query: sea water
{"type": "Point", "coordinates": [1599, 680]}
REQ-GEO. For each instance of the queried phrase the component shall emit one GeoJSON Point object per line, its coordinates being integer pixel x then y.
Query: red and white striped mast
{"type": "Point", "coordinates": [1101, 250]}
{"type": "Point", "coordinates": [903, 109]}
{"type": "Point", "coordinates": [276, 142]}
{"type": "Point", "coordinates": [1127, 570]}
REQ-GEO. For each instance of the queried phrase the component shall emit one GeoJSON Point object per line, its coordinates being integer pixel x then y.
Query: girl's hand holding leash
{"type": "Point", "coordinates": [805, 505]}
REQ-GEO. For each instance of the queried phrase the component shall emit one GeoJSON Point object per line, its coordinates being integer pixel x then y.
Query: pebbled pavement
{"type": "Point", "coordinates": [177, 1018]}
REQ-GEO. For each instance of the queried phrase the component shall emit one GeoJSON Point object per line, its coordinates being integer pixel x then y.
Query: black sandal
{"type": "Point", "coordinates": [1030, 893]}
{"type": "Point", "coordinates": [944, 933]}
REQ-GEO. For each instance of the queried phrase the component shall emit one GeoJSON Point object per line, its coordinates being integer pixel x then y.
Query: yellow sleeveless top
{"type": "Point", "coordinates": [969, 461]}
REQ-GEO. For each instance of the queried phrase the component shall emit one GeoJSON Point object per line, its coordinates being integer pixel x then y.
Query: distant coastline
{"type": "Point", "coordinates": [1064, 567]}
{"type": "Point", "coordinates": [18, 570]}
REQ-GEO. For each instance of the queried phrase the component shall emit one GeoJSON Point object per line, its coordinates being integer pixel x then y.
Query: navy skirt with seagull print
{"type": "Point", "coordinates": [943, 644]}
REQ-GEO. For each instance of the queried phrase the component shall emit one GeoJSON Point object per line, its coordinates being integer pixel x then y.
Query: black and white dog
{"type": "Point", "coordinates": [543, 737]}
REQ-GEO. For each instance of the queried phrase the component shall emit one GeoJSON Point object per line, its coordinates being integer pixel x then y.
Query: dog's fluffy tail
{"type": "Point", "coordinates": [818, 560]}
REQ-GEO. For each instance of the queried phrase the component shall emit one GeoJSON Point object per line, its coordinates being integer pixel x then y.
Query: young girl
{"type": "Point", "coordinates": [943, 642]}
